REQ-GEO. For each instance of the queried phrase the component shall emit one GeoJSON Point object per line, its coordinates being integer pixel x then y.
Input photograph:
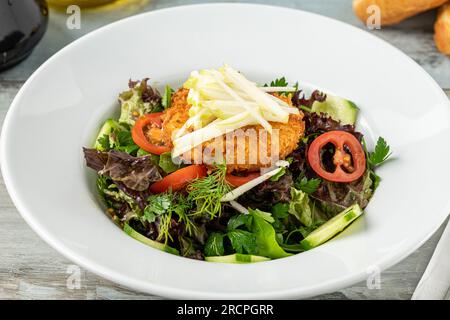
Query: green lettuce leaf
{"type": "Point", "coordinates": [239, 220]}
{"type": "Point", "coordinates": [300, 207]}
{"type": "Point", "coordinates": [167, 97]}
{"type": "Point", "coordinates": [305, 210]}
{"type": "Point", "coordinates": [166, 163]}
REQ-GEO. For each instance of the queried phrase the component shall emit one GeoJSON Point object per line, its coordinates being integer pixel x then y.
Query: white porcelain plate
{"type": "Point", "coordinates": [60, 107]}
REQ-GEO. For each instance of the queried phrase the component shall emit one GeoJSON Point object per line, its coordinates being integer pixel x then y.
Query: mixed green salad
{"type": "Point", "coordinates": [206, 212]}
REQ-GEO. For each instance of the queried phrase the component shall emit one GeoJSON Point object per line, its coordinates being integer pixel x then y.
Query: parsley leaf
{"type": "Point", "coordinates": [308, 186]}
{"type": "Point", "coordinates": [376, 179]}
{"type": "Point", "coordinates": [104, 142]}
{"type": "Point", "coordinates": [239, 220]}
{"type": "Point", "coordinates": [280, 210]}
{"type": "Point", "coordinates": [281, 82]}
{"type": "Point", "coordinates": [167, 97]}
{"type": "Point", "coordinates": [157, 205]}
{"type": "Point", "coordinates": [214, 245]}
{"type": "Point", "coordinates": [380, 154]}
{"type": "Point", "coordinates": [126, 143]}
{"type": "Point", "coordinates": [124, 138]}
{"type": "Point", "coordinates": [242, 241]}
{"type": "Point", "coordinates": [122, 141]}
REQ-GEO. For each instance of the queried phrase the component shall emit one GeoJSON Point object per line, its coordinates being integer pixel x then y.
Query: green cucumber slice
{"type": "Point", "coordinates": [332, 227]}
{"type": "Point", "coordinates": [237, 258]}
{"type": "Point", "coordinates": [154, 244]}
{"type": "Point", "coordinates": [337, 108]}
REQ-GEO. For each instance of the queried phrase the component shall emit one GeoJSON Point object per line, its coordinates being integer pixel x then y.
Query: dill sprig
{"type": "Point", "coordinates": [181, 210]}
{"type": "Point", "coordinates": [164, 227]}
{"type": "Point", "coordinates": [206, 193]}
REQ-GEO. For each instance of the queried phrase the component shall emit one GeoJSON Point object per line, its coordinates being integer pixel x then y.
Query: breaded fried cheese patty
{"type": "Point", "coordinates": [248, 150]}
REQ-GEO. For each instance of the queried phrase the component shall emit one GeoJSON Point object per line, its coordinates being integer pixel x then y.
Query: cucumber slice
{"type": "Point", "coordinates": [237, 258]}
{"type": "Point", "coordinates": [332, 227]}
{"type": "Point", "coordinates": [106, 129]}
{"type": "Point", "coordinates": [154, 244]}
{"type": "Point", "coordinates": [337, 108]}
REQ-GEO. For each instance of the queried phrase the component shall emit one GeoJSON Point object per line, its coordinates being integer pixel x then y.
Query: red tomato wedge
{"type": "Point", "coordinates": [237, 181]}
{"type": "Point", "coordinates": [355, 163]}
{"type": "Point", "coordinates": [137, 133]}
{"type": "Point", "coordinates": [179, 179]}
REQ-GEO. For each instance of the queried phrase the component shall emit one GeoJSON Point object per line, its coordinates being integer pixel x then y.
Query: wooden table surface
{"type": "Point", "coordinates": [30, 269]}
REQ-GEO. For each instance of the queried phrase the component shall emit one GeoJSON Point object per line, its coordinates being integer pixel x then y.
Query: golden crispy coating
{"type": "Point", "coordinates": [176, 115]}
{"type": "Point", "coordinates": [252, 149]}
{"type": "Point", "coordinates": [248, 149]}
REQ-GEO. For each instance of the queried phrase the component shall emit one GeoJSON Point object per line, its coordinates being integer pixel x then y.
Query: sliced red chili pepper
{"type": "Point", "coordinates": [179, 179]}
{"type": "Point", "coordinates": [138, 135]}
{"type": "Point", "coordinates": [354, 163]}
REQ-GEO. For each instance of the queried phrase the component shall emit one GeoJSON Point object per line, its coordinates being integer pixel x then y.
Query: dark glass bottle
{"type": "Point", "coordinates": [22, 25]}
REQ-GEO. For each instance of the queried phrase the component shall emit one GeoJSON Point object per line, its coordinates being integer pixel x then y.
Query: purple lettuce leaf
{"type": "Point", "coordinates": [333, 197]}
{"type": "Point", "coordinates": [319, 123]}
{"type": "Point", "coordinates": [268, 193]}
{"type": "Point", "coordinates": [298, 100]}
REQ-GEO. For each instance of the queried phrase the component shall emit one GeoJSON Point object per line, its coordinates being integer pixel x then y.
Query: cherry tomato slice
{"type": "Point", "coordinates": [179, 179]}
{"type": "Point", "coordinates": [340, 159]}
{"type": "Point", "coordinates": [237, 181]}
{"type": "Point", "coordinates": [137, 133]}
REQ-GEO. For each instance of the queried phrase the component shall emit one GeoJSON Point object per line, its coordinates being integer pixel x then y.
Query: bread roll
{"type": "Point", "coordinates": [442, 29]}
{"type": "Point", "coordinates": [393, 11]}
